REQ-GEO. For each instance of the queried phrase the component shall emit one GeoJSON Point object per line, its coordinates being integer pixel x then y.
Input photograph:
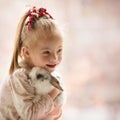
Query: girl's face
{"type": "Point", "coordinates": [46, 54]}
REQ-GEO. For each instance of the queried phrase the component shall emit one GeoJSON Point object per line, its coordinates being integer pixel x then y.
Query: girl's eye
{"type": "Point", "coordinates": [46, 53]}
{"type": "Point", "coordinates": [60, 51]}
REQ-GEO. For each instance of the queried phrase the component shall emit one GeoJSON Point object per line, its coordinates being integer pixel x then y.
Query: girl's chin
{"type": "Point", "coordinates": [50, 69]}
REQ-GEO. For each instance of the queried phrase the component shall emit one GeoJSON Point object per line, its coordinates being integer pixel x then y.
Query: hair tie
{"type": "Point", "coordinates": [35, 14]}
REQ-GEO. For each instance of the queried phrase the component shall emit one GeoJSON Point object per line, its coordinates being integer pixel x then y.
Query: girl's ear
{"type": "Point", "coordinates": [25, 52]}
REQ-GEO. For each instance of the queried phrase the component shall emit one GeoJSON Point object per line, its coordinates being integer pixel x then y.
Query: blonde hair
{"type": "Point", "coordinates": [43, 28]}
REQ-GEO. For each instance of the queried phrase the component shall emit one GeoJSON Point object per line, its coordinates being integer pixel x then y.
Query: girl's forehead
{"type": "Point", "coordinates": [46, 40]}
{"type": "Point", "coordinates": [47, 43]}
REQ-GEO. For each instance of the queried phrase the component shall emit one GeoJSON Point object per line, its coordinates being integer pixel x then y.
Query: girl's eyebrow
{"type": "Point", "coordinates": [46, 48]}
{"type": "Point", "coordinates": [60, 46]}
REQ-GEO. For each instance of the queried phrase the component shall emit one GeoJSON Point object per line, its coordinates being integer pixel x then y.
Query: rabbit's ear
{"type": "Point", "coordinates": [56, 83]}
{"type": "Point", "coordinates": [28, 77]}
{"type": "Point", "coordinates": [30, 81]}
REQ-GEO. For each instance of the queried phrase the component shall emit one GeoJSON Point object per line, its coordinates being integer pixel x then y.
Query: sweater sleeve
{"type": "Point", "coordinates": [28, 105]}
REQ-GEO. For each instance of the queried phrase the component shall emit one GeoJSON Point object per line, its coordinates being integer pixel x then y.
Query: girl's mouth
{"type": "Point", "coordinates": [51, 66]}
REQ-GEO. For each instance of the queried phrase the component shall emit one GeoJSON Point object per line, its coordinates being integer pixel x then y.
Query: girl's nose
{"type": "Point", "coordinates": [53, 58]}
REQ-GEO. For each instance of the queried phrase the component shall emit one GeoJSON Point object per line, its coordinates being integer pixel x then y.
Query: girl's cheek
{"type": "Point", "coordinates": [60, 58]}
{"type": "Point", "coordinates": [44, 59]}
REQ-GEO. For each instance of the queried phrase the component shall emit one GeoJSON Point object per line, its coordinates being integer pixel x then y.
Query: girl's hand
{"type": "Point", "coordinates": [56, 112]}
{"type": "Point", "coordinates": [57, 109]}
{"type": "Point", "coordinates": [54, 93]}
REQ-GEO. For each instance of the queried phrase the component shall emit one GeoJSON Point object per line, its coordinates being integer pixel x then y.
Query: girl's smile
{"type": "Point", "coordinates": [52, 66]}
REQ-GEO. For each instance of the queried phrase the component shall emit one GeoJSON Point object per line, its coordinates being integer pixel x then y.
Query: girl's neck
{"type": "Point", "coordinates": [25, 64]}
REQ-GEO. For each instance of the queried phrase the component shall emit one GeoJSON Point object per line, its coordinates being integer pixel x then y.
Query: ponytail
{"type": "Point", "coordinates": [18, 44]}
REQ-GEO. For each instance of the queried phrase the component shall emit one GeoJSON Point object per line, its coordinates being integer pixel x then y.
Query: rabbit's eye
{"type": "Point", "coordinates": [39, 76]}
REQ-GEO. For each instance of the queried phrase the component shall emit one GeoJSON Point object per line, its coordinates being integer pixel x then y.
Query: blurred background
{"type": "Point", "coordinates": [91, 58]}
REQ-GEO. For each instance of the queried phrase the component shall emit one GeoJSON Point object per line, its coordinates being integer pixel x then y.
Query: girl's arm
{"type": "Point", "coordinates": [57, 109]}
{"type": "Point", "coordinates": [28, 106]}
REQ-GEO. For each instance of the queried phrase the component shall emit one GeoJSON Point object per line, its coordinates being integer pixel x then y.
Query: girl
{"type": "Point", "coordinates": [38, 43]}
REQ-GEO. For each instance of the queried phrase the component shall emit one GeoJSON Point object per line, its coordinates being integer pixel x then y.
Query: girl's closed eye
{"type": "Point", "coordinates": [46, 53]}
{"type": "Point", "coordinates": [59, 51]}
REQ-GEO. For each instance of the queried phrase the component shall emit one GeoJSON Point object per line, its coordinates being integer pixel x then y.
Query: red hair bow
{"type": "Point", "coordinates": [35, 14]}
